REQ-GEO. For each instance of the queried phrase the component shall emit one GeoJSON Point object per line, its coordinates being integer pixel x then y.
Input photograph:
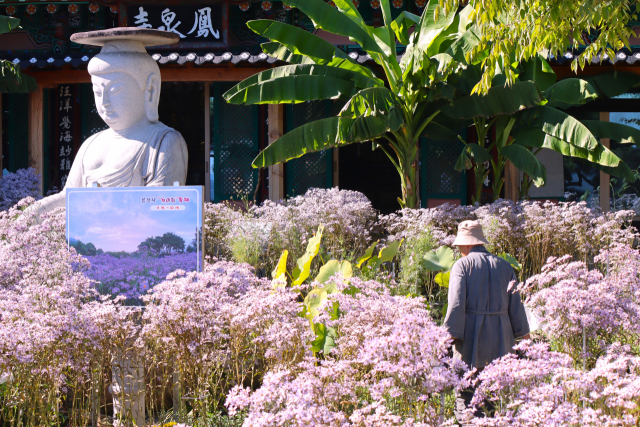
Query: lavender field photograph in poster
{"type": "Point", "coordinates": [134, 237]}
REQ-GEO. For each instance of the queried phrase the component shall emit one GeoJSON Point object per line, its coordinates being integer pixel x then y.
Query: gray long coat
{"type": "Point", "coordinates": [482, 312]}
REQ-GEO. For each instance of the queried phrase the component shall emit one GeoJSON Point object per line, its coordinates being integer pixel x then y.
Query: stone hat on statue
{"type": "Point", "coordinates": [470, 233]}
{"type": "Point", "coordinates": [123, 50]}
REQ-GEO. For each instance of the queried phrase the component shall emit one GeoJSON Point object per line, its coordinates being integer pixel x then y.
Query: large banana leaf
{"type": "Point", "coordinates": [315, 136]}
{"type": "Point", "coordinates": [430, 28]}
{"type": "Point", "coordinates": [601, 158]}
{"type": "Point", "coordinates": [613, 84]}
{"type": "Point", "coordinates": [561, 125]}
{"type": "Point", "coordinates": [528, 136]}
{"type": "Point", "coordinates": [538, 70]}
{"type": "Point", "coordinates": [478, 153]}
{"type": "Point", "coordinates": [281, 52]}
{"type": "Point", "coordinates": [375, 101]}
{"type": "Point", "coordinates": [366, 128]}
{"type": "Point", "coordinates": [347, 7]}
{"type": "Point", "coordinates": [498, 100]}
{"type": "Point", "coordinates": [385, 39]}
{"type": "Point", "coordinates": [402, 24]}
{"type": "Point", "coordinates": [322, 134]}
{"type": "Point", "coordinates": [8, 23]}
{"type": "Point", "coordinates": [439, 132]}
{"type": "Point", "coordinates": [524, 160]}
{"type": "Point", "coordinates": [291, 83]}
{"type": "Point", "coordinates": [298, 41]}
{"type": "Point", "coordinates": [371, 112]}
{"type": "Point", "coordinates": [616, 131]}
{"type": "Point", "coordinates": [570, 92]}
{"type": "Point", "coordinates": [294, 89]}
{"type": "Point", "coordinates": [328, 18]}
{"type": "Point", "coordinates": [461, 47]}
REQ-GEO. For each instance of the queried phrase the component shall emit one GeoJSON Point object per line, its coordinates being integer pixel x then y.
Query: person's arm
{"type": "Point", "coordinates": [172, 161]}
{"type": "Point", "coordinates": [517, 314]}
{"type": "Point", "coordinates": [457, 301]}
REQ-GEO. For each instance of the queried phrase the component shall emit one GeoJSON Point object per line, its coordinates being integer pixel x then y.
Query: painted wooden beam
{"type": "Point", "coordinates": [276, 172]}
{"type": "Point", "coordinates": [51, 78]}
{"type": "Point", "coordinates": [36, 149]}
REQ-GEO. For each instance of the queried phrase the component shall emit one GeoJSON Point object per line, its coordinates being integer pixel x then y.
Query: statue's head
{"type": "Point", "coordinates": [126, 84]}
{"type": "Point", "coordinates": [126, 80]}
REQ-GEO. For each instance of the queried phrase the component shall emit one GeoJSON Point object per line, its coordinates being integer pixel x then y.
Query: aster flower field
{"type": "Point", "coordinates": [230, 346]}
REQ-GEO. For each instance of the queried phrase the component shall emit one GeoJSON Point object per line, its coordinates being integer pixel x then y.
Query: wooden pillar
{"type": "Point", "coordinates": [336, 168]}
{"type": "Point", "coordinates": [36, 155]}
{"type": "Point", "coordinates": [276, 172]}
{"type": "Point", "coordinates": [207, 142]}
{"type": "Point", "coordinates": [605, 179]}
{"type": "Point", "coordinates": [511, 182]}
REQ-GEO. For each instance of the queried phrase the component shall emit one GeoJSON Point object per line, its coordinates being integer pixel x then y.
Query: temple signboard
{"type": "Point", "coordinates": [196, 24]}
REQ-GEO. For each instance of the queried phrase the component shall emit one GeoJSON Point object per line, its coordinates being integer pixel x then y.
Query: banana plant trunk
{"type": "Point", "coordinates": [409, 178]}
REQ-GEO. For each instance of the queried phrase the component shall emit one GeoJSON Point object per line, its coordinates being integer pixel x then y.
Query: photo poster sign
{"type": "Point", "coordinates": [134, 236]}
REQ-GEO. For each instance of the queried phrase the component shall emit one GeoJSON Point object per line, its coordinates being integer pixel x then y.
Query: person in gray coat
{"type": "Point", "coordinates": [484, 316]}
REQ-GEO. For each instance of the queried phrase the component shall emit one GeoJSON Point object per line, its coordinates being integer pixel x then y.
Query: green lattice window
{"type": "Point", "coordinates": [16, 131]}
{"type": "Point", "coordinates": [234, 145]}
{"type": "Point", "coordinates": [313, 170]}
{"type": "Point", "coordinates": [439, 178]}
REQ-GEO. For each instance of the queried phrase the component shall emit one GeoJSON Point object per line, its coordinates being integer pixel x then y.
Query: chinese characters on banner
{"type": "Point", "coordinates": [202, 23]}
{"type": "Point", "coordinates": [65, 134]}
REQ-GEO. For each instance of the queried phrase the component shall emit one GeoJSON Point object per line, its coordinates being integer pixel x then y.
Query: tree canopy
{"type": "Point", "coordinates": [518, 30]}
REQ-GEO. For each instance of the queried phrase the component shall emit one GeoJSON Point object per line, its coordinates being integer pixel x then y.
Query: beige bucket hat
{"type": "Point", "coordinates": [470, 233]}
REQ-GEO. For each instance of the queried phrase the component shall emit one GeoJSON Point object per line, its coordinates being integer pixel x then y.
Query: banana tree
{"type": "Point", "coordinates": [11, 80]}
{"type": "Point", "coordinates": [521, 135]}
{"type": "Point", "coordinates": [393, 110]}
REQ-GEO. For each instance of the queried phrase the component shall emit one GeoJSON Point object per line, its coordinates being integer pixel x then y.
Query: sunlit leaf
{"type": "Point", "coordinates": [440, 259]}
{"type": "Point", "coordinates": [304, 263]}
{"type": "Point", "coordinates": [368, 253]}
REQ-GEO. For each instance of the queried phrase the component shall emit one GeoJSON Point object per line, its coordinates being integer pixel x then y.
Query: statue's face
{"type": "Point", "coordinates": [119, 100]}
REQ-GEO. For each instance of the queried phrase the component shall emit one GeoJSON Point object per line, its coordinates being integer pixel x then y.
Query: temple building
{"type": "Point", "coordinates": [45, 129]}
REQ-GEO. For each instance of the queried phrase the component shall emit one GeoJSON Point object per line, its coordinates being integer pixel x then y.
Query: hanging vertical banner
{"type": "Point", "coordinates": [65, 136]}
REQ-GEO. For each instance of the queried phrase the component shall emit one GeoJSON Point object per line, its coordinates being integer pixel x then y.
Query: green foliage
{"type": "Point", "coordinates": [413, 276]}
{"type": "Point", "coordinates": [11, 79]}
{"type": "Point", "coordinates": [368, 254]}
{"type": "Point", "coordinates": [440, 259]}
{"type": "Point", "coordinates": [511, 260]}
{"type": "Point", "coordinates": [442, 278]}
{"type": "Point", "coordinates": [519, 31]}
{"type": "Point", "coordinates": [332, 268]}
{"type": "Point", "coordinates": [246, 249]}
{"type": "Point", "coordinates": [460, 67]}
{"type": "Point", "coordinates": [370, 264]}
{"type": "Point", "coordinates": [302, 271]}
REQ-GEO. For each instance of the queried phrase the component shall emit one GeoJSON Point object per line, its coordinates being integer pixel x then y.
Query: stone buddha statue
{"type": "Point", "coordinates": [136, 150]}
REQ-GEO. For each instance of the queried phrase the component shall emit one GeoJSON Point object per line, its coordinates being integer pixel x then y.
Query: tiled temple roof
{"type": "Point", "coordinates": [181, 58]}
